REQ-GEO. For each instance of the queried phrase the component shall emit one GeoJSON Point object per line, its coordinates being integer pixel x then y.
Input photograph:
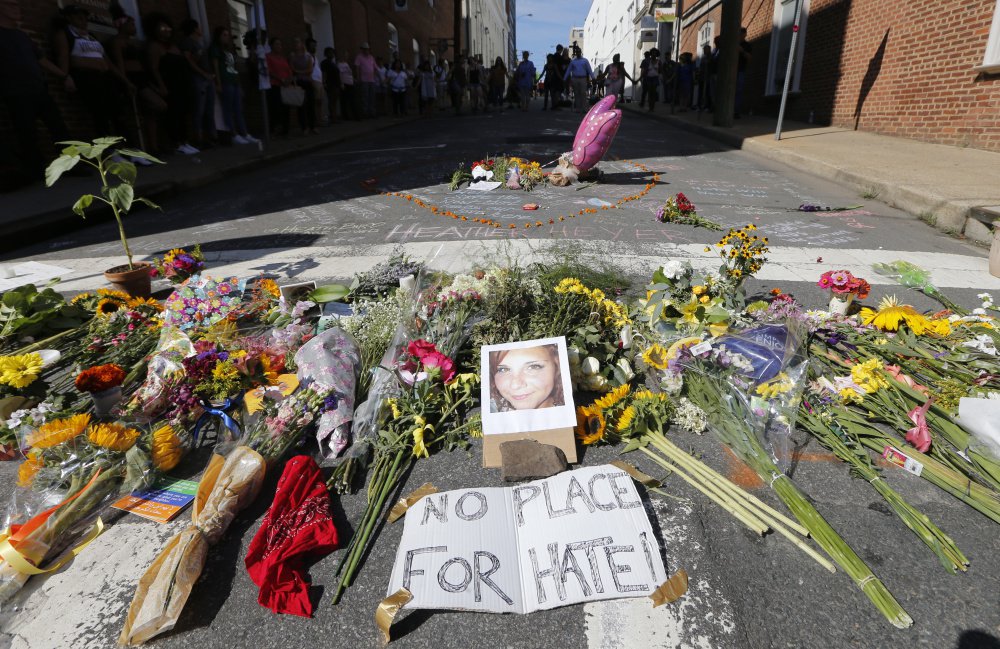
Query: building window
{"type": "Point", "coordinates": [991, 60]}
{"type": "Point", "coordinates": [781, 45]}
{"type": "Point", "coordinates": [705, 37]}
{"type": "Point", "coordinates": [393, 39]}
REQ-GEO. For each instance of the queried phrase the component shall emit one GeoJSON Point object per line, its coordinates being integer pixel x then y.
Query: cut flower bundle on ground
{"type": "Point", "coordinates": [227, 361]}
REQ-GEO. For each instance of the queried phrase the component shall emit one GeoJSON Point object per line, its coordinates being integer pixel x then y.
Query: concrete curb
{"type": "Point", "coordinates": [37, 227]}
{"type": "Point", "coordinates": [951, 216]}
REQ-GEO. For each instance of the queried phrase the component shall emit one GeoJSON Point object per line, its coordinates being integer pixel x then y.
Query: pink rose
{"type": "Point", "coordinates": [439, 361]}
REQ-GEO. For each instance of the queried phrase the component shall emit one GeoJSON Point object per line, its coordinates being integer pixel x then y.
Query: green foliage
{"type": "Point", "coordinates": [100, 154]}
{"type": "Point", "coordinates": [26, 311]}
{"type": "Point", "coordinates": [592, 273]}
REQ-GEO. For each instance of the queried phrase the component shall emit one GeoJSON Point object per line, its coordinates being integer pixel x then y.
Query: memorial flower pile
{"type": "Point", "coordinates": [695, 352]}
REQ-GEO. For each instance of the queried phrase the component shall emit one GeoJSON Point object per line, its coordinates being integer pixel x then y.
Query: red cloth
{"type": "Point", "coordinates": [297, 528]}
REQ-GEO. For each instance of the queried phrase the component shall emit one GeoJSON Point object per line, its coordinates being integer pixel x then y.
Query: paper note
{"type": "Point", "coordinates": [167, 498]}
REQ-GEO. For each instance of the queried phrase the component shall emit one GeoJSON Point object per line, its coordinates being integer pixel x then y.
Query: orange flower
{"type": "Point", "coordinates": [100, 378]}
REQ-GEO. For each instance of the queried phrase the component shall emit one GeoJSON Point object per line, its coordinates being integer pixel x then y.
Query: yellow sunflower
{"type": "Point", "coordinates": [26, 472]}
{"type": "Point", "coordinates": [891, 314]}
{"type": "Point", "coordinates": [657, 357]}
{"type": "Point", "coordinates": [114, 294]}
{"type": "Point", "coordinates": [20, 371]}
{"type": "Point", "coordinates": [58, 431]}
{"type": "Point", "coordinates": [106, 307]}
{"type": "Point", "coordinates": [625, 421]}
{"type": "Point", "coordinates": [611, 399]}
{"type": "Point", "coordinates": [590, 425]}
{"type": "Point", "coordinates": [114, 437]}
{"type": "Point", "coordinates": [80, 297]}
{"type": "Point", "coordinates": [149, 302]}
{"type": "Point", "coordinates": [167, 448]}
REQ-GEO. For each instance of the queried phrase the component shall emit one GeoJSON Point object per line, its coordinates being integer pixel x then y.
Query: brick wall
{"type": "Point", "coordinates": [356, 21]}
{"type": "Point", "coordinates": [895, 67]}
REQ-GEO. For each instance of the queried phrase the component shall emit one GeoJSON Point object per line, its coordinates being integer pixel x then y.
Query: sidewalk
{"type": "Point", "coordinates": [957, 190]}
{"type": "Point", "coordinates": [33, 211]}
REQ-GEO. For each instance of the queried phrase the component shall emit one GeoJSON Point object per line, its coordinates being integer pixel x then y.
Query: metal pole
{"type": "Point", "coordinates": [788, 70]}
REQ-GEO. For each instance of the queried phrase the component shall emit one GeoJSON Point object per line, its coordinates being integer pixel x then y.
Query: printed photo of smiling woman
{"type": "Point", "coordinates": [527, 386]}
{"type": "Point", "coordinates": [525, 379]}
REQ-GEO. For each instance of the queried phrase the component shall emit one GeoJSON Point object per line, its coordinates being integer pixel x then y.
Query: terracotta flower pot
{"type": "Point", "coordinates": [135, 282]}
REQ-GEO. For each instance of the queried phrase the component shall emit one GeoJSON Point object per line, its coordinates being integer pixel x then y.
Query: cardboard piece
{"type": "Point", "coordinates": [527, 393]}
{"type": "Point", "coordinates": [579, 536]}
{"type": "Point", "coordinates": [562, 438]}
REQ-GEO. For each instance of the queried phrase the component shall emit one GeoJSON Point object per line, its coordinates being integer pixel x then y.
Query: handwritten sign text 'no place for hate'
{"type": "Point", "coordinates": [578, 536]}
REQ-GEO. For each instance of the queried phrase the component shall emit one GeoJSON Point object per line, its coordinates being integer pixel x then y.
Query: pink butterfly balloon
{"type": "Point", "coordinates": [597, 130]}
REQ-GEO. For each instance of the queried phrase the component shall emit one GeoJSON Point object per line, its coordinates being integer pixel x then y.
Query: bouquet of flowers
{"type": "Point", "coordinates": [228, 485]}
{"type": "Point", "coordinates": [735, 390]}
{"type": "Point", "coordinates": [81, 466]}
{"type": "Point", "coordinates": [844, 287]}
{"type": "Point", "coordinates": [432, 408]}
{"type": "Point", "coordinates": [178, 265]}
{"type": "Point", "coordinates": [678, 209]}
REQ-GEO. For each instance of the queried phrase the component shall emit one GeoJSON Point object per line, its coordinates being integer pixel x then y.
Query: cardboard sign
{"type": "Point", "coordinates": [527, 393]}
{"type": "Point", "coordinates": [167, 498]}
{"type": "Point", "coordinates": [579, 536]}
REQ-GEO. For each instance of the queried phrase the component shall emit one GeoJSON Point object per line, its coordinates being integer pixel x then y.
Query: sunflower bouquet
{"type": "Point", "coordinates": [74, 468]}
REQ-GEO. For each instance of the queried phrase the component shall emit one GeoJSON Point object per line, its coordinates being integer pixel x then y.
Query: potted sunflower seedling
{"type": "Point", "coordinates": [117, 190]}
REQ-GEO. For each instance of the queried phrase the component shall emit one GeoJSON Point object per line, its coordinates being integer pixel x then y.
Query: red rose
{"type": "Point", "coordinates": [421, 348]}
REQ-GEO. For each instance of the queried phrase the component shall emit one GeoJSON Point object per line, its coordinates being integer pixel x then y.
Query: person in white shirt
{"type": "Point", "coordinates": [350, 100]}
{"type": "Point", "coordinates": [579, 74]}
{"type": "Point", "coordinates": [322, 103]}
{"type": "Point", "coordinates": [398, 82]}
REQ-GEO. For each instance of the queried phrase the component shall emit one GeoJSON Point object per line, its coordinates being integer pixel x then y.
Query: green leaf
{"type": "Point", "coordinates": [146, 201]}
{"type": "Point", "coordinates": [58, 167]}
{"type": "Point", "coordinates": [82, 204]}
{"type": "Point", "coordinates": [124, 170]}
{"type": "Point", "coordinates": [107, 141]}
{"type": "Point", "coordinates": [329, 293]}
{"type": "Point", "coordinates": [136, 153]}
{"type": "Point", "coordinates": [121, 197]}
{"type": "Point", "coordinates": [95, 151]}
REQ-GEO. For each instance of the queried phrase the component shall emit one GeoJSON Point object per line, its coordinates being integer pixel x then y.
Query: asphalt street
{"type": "Point", "coordinates": [321, 217]}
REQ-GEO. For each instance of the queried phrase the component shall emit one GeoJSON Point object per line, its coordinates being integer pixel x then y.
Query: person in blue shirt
{"type": "Point", "coordinates": [579, 74]}
{"type": "Point", "coordinates": [524, 77]}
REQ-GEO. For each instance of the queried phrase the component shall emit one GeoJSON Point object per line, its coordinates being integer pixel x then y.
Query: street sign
{"type": "Point", "coordinates": [665, 14]}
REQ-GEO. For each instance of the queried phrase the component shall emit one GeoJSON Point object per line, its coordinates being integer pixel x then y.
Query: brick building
{"type": "Point", "coordinates": [413, 28]}
{"type": "Point", "coordinates": [929, 72]}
